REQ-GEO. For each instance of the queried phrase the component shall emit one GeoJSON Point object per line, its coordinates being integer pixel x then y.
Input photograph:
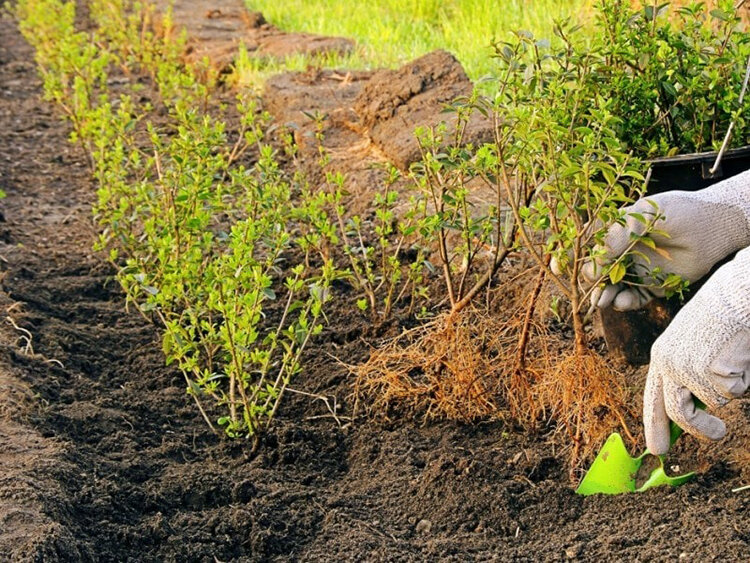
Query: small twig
{"type": "Point", "coordinates": [375, 530]}
{"type": "Point", "coordinates": [719, 156]}
{"type": "Point", "coordinates": [26, 336]}
{"type": "Point", "coordinates": [68, 216]}
{"type": "Point", "coordinates": [200, 406]}
{"type": "Point", "coordinates": [325, 400]}
{"type": "Point", "coordinates": [130, 424]}
{"type": "Point", "coordinates": [16, 306]}
{"type": "Point", "coordinates": [321, 416]}
{"type": "Point", "coordinates": [740, 489]}
{"type": "Point", "coordinates": [523, 339]}
{"type": "Point", "coordinates": [28, 350]}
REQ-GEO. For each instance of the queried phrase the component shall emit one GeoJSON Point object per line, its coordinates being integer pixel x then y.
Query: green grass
{"type": "Point", "coordinates": [392, 32]}
{"type": "Point", "coordinates": [252, 72]}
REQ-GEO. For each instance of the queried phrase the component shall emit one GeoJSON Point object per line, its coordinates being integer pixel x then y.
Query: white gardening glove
{"type": "Point", "coordinates": [703, 353]}
{"type": "Point", "coordinates": [704, 227]}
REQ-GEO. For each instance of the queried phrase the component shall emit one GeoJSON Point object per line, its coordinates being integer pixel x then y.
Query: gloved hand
{"type": "Point", "coordinates": [704, 227]}
{"type": "Point", "coordinates": [703, 353]}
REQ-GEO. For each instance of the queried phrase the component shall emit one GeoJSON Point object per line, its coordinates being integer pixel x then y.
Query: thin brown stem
{"type": "Point", "coordinates": [523, 338]}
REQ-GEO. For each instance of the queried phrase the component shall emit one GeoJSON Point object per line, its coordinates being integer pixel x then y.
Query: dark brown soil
{"type": "Point", "coordinates": [104, 458]}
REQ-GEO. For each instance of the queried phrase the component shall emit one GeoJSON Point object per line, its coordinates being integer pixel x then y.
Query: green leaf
{"type": "Point", "coordinates": [193, 223]}
{"type": "Point", "coordinates": [269, 293]}
{"type": "Point", "coordinates": [669, 88]}
{"type": "Point", "coordinates": [617, 272]}
{"type": "Point", "coordinates": [721, 15]}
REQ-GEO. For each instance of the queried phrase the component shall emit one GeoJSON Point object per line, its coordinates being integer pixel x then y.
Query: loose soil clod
{"type": "Point", "coordinates": [217, 31]}
{"type": "Point", "coordinates": [394, 102]}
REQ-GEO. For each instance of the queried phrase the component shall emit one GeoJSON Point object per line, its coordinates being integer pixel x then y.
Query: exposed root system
{"type": "Point", "coordinates": [449, 368]}
{"type": "Point", "coordinates": [587, 399]}
{"type": "Point", "coordinates": [466, 366]}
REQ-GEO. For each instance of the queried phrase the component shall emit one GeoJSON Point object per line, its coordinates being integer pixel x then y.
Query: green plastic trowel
{"type": "Point", "coordinates": [614, 472]}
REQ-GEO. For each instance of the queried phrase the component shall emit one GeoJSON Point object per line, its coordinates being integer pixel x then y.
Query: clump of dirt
{"type": "Point", "coordinates": [394, 102]}
{"type": "Point", "coordinates": [288, 96]}
{"type": "Point", "coordinates": [630, 334]}
{"type": "Point", "coordinates": [295, 98]}
{"type": "Point", "coordinates": [649, 465]}
{"type": "Point", "coordinates": [369, 118]}
{"type": "Point", "coordinates": [217, 33]}
{"type": "Point", "coordinates": [284, 45]}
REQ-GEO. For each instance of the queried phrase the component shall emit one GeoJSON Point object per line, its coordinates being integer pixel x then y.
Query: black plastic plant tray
{"type": "Point", "coordinates": [691, 172]}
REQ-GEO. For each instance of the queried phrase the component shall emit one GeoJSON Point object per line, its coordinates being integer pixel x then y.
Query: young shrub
{"type": "Point", "coordinates": [126, 27]}
{"type": "Point", "coordinates": [566, 145]}
{"type": "Point", "coordinates": [473, 238]}
{"type": "Point", "coordinates": [212, 290]}
{"type": "Point", "coordinates": [391, 269]}
{"type": "Point", "coordinates": [383, 249]}
{"type": "Point", "coordinates": [74, 70]}
{"type": "Point", "coordinates": [457, 365]}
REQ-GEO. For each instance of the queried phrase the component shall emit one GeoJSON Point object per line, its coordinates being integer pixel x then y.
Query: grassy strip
{"type": "Point", "coordinates": [391, 32]}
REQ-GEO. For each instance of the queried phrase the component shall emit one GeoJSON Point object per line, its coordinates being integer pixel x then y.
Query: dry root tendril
{"type": "Point", "coordinates": [445, 369]}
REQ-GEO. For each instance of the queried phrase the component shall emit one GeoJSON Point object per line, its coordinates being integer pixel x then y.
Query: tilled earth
{"type": "Point", "coordinates": [104, 458]}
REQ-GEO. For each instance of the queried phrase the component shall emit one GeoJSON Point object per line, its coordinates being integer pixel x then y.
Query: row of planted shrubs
{"type": "Point", "coordinates": [198, 221]}
{"type": "Point", "coordinates": [219, 237]}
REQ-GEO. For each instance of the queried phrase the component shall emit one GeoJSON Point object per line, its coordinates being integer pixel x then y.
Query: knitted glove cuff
{"type": "Point", "coordinates": [734, 192]}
